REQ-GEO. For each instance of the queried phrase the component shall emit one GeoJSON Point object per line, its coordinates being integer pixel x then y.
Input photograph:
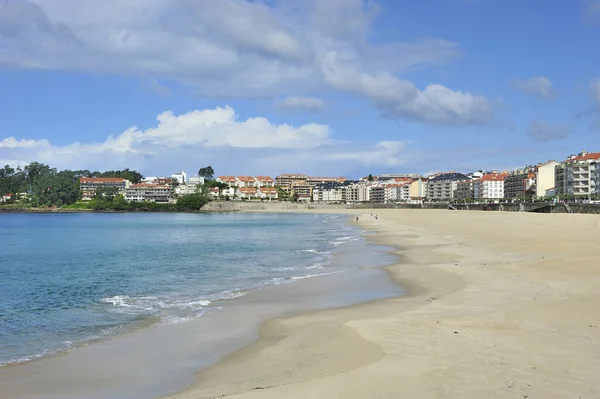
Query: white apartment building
{"type": "Point", "coordinates": [148, 192]}
{"type": "Point", "coordinates": [329, 193]}
{"type": "Point", "coordinates": [357, 193]}
{"type": "Point", "coordinates": [579, 175]}
{"type": "Point", "coordinates": [246, 192]}
{"type": "Point", "coordinates": [245, 181]}
{"type": "Point", "coordinates": [269, 193]}
{"type": "Point", "coordinates": [89, 185]}
{"type": "Point", "coordinates": [264, 181]}
{"type": "Point", "coordinates": [545, 179]}
{"type": "Point", "coordinates": [490, 186]}
{"type": "Point", "coordinates": [229, 180]}
{"type": "Point", "coordinates": [180, 177]}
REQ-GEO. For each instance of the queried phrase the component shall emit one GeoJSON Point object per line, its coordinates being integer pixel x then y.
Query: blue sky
{"type": "Point", "coordinates": [327, 87]}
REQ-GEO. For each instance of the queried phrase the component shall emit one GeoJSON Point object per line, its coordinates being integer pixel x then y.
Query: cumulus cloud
{"type": "Point", "coordinates": [436, 104]}
{"type": "Point", "coordinates": [211, 136]}
{"type": "Point", "coordinates": [539, 87]}
{"type": "Point", "coordinates": [238, 48]}
{"type": "Point", "coordinates": [311, 104]}
{"type": "Point", "coordinates": [11, 142]}
{"type": "Point", "coordinates": [542, 131]}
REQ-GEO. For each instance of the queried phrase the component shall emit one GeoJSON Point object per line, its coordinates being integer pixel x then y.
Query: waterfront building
{"type": "Point", "coordinates": [357, 193]}
{"type": "Point", "coordinates": [545, 179]}
{"type": "Point", "coordinates": [229, 180]}
{"type": "Point", "coordinates": [245, 181]}
{"type": "Point", "coordinates": [443, 186]}
{"type": "Point", "coordinates": [246, 192]}
{"type": "Point", "coordinates": [180, 177]}
{"type": "Point", "coordinates": [376, 194]}
{"type": "Point", "coordinates": [264, 181]}
{"type": "Point", "coordinates": [303, 191]}
{"type": "Point", "coordinates": [578, 176]}
{"type": "Point", "coordinates": [269, 193]}
{"type": "Point", "coordinates": [329, 192]}
{"type": "Point", "coordinates": [195, 180]}
{"type": "Point", "coordinates": [490, 186]}
{"type": "Point", "coordinates": [90, 185]}
{"type": "Point", "coordinates": [520, 183]}
{"type": "Point", "coordinates": [148, 192]}
{"type": "Point", "coordinates": [313, 181]}
{"type": "Point", "coordinates": [418, 189]}
{"type": "Point", "coordinates": [465, 189]}
{"type": "Point", "coordinates": [287, 181]}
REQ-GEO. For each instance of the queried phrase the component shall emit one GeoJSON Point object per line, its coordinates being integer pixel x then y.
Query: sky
{"type": "Point", "coordinates": [322, 87]}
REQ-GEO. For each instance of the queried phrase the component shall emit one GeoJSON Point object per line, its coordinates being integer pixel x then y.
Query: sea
{"type": "Point", "coordinates": [75, 279]}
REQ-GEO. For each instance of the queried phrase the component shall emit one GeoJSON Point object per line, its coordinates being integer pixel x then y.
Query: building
{"type": "Point", "coordinates": [418, 190]}
{"type": "Point", "coordinates": [443, 186]}
{"type": "Point", "coordinates": [313, 181]}
{"type": "Point", "coordinates": [180, 177]}
{"type": "Point", "coordinates": [7, 197]}
{"type": "Point", "coordinates": [245, 181]}
{"type": "Point", "coordinates": [579, 176]}
{"type": "Point", "coordinates": [545, 179]}
{"type": "Point", "coordinates": [213, 192]}
{"type": "Point", "coordinates": [186, 189]}
{"type": "Point", "coordinates": [269, 193]}
{"type": "Point", "coordinates": [490, 186]}
{"type": "Point", "coordinates": [520, 183]}
{"type": "Point", "coordinates": [195, 179]}
{"type": "Point", "coordinates": [376, 194]}
{"type": "Point", "coordinates": [264, 181]}
{"type": "Point", "coordinates": [465, 189]}
{"type": "Point", "coordinates": [329, 192]}
{"type": "Point", "coordinates": [229, 180]}
{"type": "Point", "coordinates": [148, 192]}
{"type": "Point", "coordinates": [357, 193]}
{"type": "Point", "coordinates": [286, 181]}
{"type": "Point", "coordinates": [302, 191]}
{"type": "Point", "coordinates": [246, 192]}
{"type": "Point", "coordinates": [90, 185]}
{"type": "Point", "coordinates": [388, 176]}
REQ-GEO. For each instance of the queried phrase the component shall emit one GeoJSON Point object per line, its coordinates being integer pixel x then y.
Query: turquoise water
{"type": "Point", "coordinates": [68, 279]}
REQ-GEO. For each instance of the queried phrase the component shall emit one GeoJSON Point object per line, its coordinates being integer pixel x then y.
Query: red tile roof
{"type": "Point", "coordinates": [586, 157]}
{"type": "Point", "coordinates": [245, 178]}
{"type": "Point", "coordinates": [264, 178]}
{"type": "Point", "coordinates": [247, 190]}
{"type": "Point", "coordinates": [226, 178]}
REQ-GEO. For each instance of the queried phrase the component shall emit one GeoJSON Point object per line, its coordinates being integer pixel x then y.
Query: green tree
{"type": "Point", "coordinates": [192, 202]}
{"type": "Point", "coordinates": [370, 178]}
{"type": "Point", "coordinates": [207, 172]}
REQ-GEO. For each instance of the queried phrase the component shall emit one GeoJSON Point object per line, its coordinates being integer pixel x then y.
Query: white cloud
{"type": "Point", "coordinates": [212, 136]}
{"type": "Point", "coordinates": [399, 98]}
{"type": "Point", "coordinates": [539, 86]}
{"type": "Point", "coordinates": [237, 48]}
{"type": "Point", "coordinates": [311, 104]}
{"type": "Point", "coordinates": [11, 142]}
{"type": "Point", "coordinates": [542, 131]}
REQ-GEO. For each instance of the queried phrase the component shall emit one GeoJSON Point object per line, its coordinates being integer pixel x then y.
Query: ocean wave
{"type": "Point", "coordinates": [315, 266]}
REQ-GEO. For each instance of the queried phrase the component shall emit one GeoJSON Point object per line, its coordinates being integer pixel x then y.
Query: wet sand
{"type": "Point", "coordinates": [500, 305]}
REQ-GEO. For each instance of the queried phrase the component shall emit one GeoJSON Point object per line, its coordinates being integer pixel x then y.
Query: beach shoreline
{"type": "Point", "coordinates": [503, 312]}
{"type": "Point", "coordinates": [239, 321]}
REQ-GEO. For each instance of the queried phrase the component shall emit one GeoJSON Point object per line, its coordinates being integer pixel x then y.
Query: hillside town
{"type": "Point", "coordinates": [575, 178]}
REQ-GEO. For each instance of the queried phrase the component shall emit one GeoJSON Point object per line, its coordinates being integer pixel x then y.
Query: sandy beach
{"type": "Point", "coordinates": [500, 305]}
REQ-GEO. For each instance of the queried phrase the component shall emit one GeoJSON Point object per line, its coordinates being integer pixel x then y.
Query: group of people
{"type": "Point", "coordinates": [371, 216]}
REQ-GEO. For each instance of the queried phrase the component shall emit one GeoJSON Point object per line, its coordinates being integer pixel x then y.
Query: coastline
{"type": "Point", "coordinates": [503, 312]}
{"type": "Point", "coordinates": [238, 322]}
